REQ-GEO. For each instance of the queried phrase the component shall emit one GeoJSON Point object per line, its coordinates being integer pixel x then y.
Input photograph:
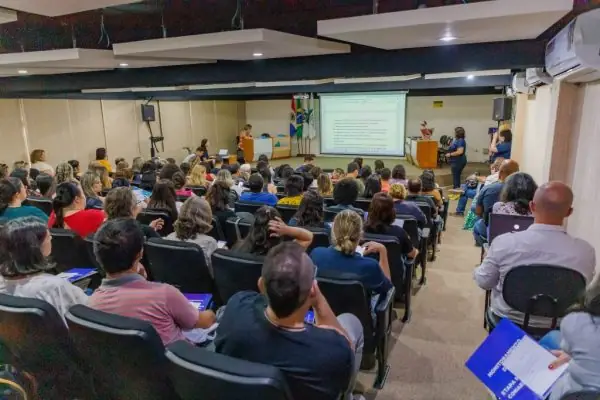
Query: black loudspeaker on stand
{"type": "Point", "coordinates": [502, 109]}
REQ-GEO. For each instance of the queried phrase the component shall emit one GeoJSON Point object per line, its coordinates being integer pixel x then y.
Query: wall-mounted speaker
{"type": "Point", "coordinates": [148, 113]}
{"type": "Point", "coordinates": [502, 109]}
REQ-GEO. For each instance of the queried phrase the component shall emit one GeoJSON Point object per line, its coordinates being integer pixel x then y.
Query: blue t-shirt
{"type": "Point", "coordinates": [23, 211]}
{"type": "Point", "coordinates": [456, 144]}
{"type": "Point", "coordinates": [504, 149]}
{"type": "Point", "coordinates": [365, 269]}
{"type": "Point", "coordinates": [92, 202]}
{"type": "Point", "coordinates": [410, 208]}
{"type": "Point", "coordinates": [488, 196]}
{"type": "Point", "coordinates": [262, 198]}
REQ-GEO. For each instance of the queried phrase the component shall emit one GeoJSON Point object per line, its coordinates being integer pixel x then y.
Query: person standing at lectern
{"type": "Point", "coordinates": [457, 155]}
{"type": "Point", "coordinates": [246, 132]}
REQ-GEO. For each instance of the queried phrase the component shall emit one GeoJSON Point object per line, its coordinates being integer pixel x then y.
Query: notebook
{"type": "Point", "coordinates": [77, 274]}
{"type": "Point", "coordinates": [200, 301]}
{"type": "Point", "coordinates": [310, 317]}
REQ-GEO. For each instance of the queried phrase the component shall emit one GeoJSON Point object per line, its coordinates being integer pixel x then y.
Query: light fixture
{"type": "Point", "coordinates": [257, 54]}
{"type": "Point", "coordinates": [22, 71]}
{"type": "Point", "coordinates": [123, 65]}
{"type": "Point", "coordinates": [470, 77]}
{"type": "Point", "coordinates": [448, 38]}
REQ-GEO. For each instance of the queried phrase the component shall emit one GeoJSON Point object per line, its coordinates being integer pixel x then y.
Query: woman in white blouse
{"type": "Point", "coordinates": [38, 161]}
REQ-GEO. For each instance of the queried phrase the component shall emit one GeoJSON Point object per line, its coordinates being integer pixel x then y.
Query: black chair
{"type": "Point", "coordinates": [251, 208]}
{"type": "Point", "coordinates": [43, 204]}
{"type": "Point", "coordinates": [198, 190]}
{"type": "Point", "coordinates": [280, 189]}
{"type": "Point", "coordinates": [69, 251]}
{"type": "Point", "coordinates": [125, 355]}
{"type": "Point", "coordinates": [148, 215]}
{"type": "Point", "coordinates": [349, 296]}
{"type": "Point", "coordinates": [235, 272]}
{"type": "Point", "coordinates": [363, 204]}
{"type": "Point", "coordinates": [181, 264]}
{"type": "Point", "coordinates": [201, 374]}
{"type": "Point", "coordinates": [583, 395]}
{"type": "Point", "coordinates": [328, 201]}
{"type": "Point", "coordinates": [280, 195]}
{"type": "Point", "coordinates": [287, 212]}
{"type": "Point", "coordinates": [329, 215]}
{"type": "Point", "coordinates": [217, 230]}
{"type": "Point", "coordinates": [320, 238]}
{"type": "Point", "coordinates": [542, 291]}
{"type": "Point", "coordinates": [36, 341]}
{"type": "Point", "coordinates": [236, 229]}
{"type": "Point", "coordinates": [419, 241]}
{"type": "Point", "coordinates": [433, 231]}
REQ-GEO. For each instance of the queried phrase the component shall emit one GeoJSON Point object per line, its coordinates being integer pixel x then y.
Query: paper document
{"type": "Point", "coordinates": [360, 250]}
{"type": "Point", "coordinates": [221, 244]}
{"type": "Point", "coordinates": [398, 222]}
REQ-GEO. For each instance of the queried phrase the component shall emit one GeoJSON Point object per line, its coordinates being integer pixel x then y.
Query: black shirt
{"type": "Point", "coordinates": [317, 362]}
{"type": "Point", "coordinates": [394, 230]}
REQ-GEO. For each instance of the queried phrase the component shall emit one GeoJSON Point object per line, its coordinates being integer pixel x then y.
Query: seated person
{"type": "Point", "coordinates": [25, 245]}
{"type": "Point", "coordinates": [197, 176]}
{"type": "Point", "coordinates": [118, 247]}
{"type": "Point", "coordinates": [148, 176]}
{"type": "Point", "coordinates": [163, 198]}
{"type": "Point", "coordinates": [516, 195]}
{"type": "Point", "coordinates": [364, 174]}
{"type": "Point", "coordinates": [428, 188]}
{"type": "Point", "coordinates": [236, 175]}
{"type": "Point", "coordinates": [245, 171]}
{"type": "Point", "coordinates": [294, 189]}
{"type": "Point", "coordinates": [414, 194]}
{"type": "Point", "coordinates": [386, 175]}
{"type": "Point", "coordinates": [345, 194]}
{"type": "Point", "coordinates": [324, 185]}
{"type": "Point", "coordinates": [12, 195]}
{"type": "Point", "coordinates": [218, 165]}
{"type": "Point", "coordinates": [399, 175]}
{"type": "Point", "coordinates": [470, 188]}
{"type": "Point", "coordinates": [46, 185]}
{"type": "Point", "coordinates": [268, 231]}
{"type": "Point", "coordinates": [544, 242]}
{"type": "Point", "coordinates": [319, 361]}
{"type": "Point", "coordinates": [235, 191]}
{"type": "Point", "coordinates": [122, 203]}
{"type": "Point", "coordinates": [501, 144]}
{"type": "Point", "coordinates": [92, 188]}
{"type": "Point", "coordinates": [403, 207]}
{"type": "Point", "coordinates": [23, 175]}
{"type": "Point", "coordinates": [352, 172]}
{"type": "Point", "coordinates": [379, 166]}
{"type": "Point", "coordinates": [380, 219]}
{"type": "Point", "coordinates": [179, 181]}
{"type": "Point", "coordinates": [315, 172]}
{"type": "Point", "coordinates": [310, 213]}
{"type": "Point", "coordinates": [218, 199]}
{"type": "Point", "coordinates": [256, 194]}
{"type": "Point", "coordinates": [337, 175]}
{"type": "Point", "coordinates": [168, 171]}
{"type": "Point", "coordinates": [309, 162]}
{"type": "Point", "coordinates": [69, 211]}
{"type": "Point", "coordinates": [372, 186]}
{"type": "Point", "coordinates": [263, 170]}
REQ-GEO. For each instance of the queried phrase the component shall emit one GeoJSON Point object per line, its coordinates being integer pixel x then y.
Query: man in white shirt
{"type": "Point", "coordinates": [545, 242]}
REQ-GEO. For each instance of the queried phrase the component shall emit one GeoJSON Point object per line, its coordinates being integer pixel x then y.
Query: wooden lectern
{"type": "Point", "coordinates": [423, 153]}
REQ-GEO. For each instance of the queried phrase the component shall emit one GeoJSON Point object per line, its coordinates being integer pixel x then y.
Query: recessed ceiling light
{"type": "Point", "coordinates": [470, 77]}
{"type": "Point", "coordinates": [448, 38]}
{"type": "Point", "coordinates": [123, 65]}
{"type": "Point", "coordinates": [257, 54]}
{"type": "Point", "coordinates": [22, 71]}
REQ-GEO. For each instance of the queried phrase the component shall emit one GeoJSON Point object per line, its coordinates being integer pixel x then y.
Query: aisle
{"type": "Point", "coordinates": [427, 360]}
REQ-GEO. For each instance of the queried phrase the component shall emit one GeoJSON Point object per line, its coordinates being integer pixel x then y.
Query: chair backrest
{"type": "Point", "coordinates": [504, 223]}
{"type": "Point", "coordinates": [217, 230]}
{"type": "Point", "coordinates": [236, 229]}
{"type": "Point", "coordinates": [329, 215]}
{"type": "Point", "coordinates": [411, 227]}
{"type": "Point", "coordinates": [363, 204]}
{"type": "Point", "coordinates": [235, 272]}
{"type": "Point", "coordinates": [395, 259]}
{"type": "Point", "coordinates": [200, 374]}
{"type": "Point", "coordinates": [251, 208]}
{"type": "Point", "coordinates": [43, 204]}
{"type": "Point", "coordinates": [280, 189]}
{"type": "Point", "coordinates": [542, 290]}
{"type": "Point", "coordinates": [125, 355]}
{"type": "Point", "coordinates": [181, 264]}
{"type": "Point", "coordinates": [328, 201]}
{"type": "Point", "coordinates": [198, 190]}
{"type": "Point", "coordinates": [583, 395]}
{"type": "Point", "coordinates": [69, 250]}
{"type": "Point", "coordinates": [287, 212]}
{"type": "Point", "coordinates": [148, 215]}
{"type": "Point", "coordinates": [320, 238]}
{"type": "Point", "coordinates": [427, 210]}
{"type": "Point", "coordinates": [37, 342]}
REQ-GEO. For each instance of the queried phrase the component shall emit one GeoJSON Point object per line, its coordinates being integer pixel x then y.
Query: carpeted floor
{"type": "Point", "coordinates": [428, 356]}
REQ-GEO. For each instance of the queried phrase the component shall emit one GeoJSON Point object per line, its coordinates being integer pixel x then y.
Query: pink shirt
{"type": "Point", "coordinates": [158, 303]}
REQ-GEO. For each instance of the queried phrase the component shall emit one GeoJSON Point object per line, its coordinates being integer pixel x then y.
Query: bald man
{"type": "Point", "coordinates": [545, 242]}
{"type": "Point", "coordinates": [488, 196]}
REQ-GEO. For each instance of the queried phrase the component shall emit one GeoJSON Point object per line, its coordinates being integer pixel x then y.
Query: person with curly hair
{"type": "Point", "coordinates": [121, 203]}
{"type": "Point", "coordinates": [310, 213]}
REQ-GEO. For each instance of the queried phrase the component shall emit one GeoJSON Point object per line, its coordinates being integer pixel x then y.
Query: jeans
{"type": "Point", "coordinates": [457, 167]}
{"type": "Point", "coordinates": [551, 340]}
{"type": "Point", "coordinates": [480, 232]}
{"type": "Point", "coordinates": [354, 330]}
{"type": "Point", "coordinates": [464, 197]}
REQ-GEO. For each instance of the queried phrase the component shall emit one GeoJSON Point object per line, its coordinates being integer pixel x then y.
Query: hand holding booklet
{"type": "Point", "coordinates": [514, 366]}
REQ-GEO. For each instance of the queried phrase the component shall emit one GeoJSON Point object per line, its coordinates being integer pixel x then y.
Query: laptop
{"type": "Point", "coordinates": [223, 153]}
{"type": "Point", "coordinates": [502, 223]}
{"type": "Point", "coordinates": [201, 301]}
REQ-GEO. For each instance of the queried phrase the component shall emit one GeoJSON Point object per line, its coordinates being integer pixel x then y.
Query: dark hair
{"type": "Point", "coordinates": [427, 181]}
{"type": "Point", "coordinates": [310, 212]}
{"type": "Point", "coordinates": [414, 185]}
{"type": "Point", "coordinates": [119, 160]}
{"type": "Point", "coordinates": [280, 169]}
{"type": "Point", "coordinates": [234, 168]}
{"type": "Point", "coordinates": [20, 247]}
{"type": "Point", "coordinates": [203, 145]}
{"type": "Point", "coordinates": [74, 164]}
{"type": "Point", "coordinates": [178, 179]}
{"type": "Point", "coordinates": [379, 165]}
{"type": "Point", "coordinates": [294, 185]}
{"type": "Point", "coordinates": [100, 153]}
{"type": "Point", "coordinates": [46, 185]}
{"type": "Point", "coordinates": [381, 213]}
{"type": "Point", "coordinates": [167, 171]}
{"type": "Point", "coordinates": [66, 193]}
{"type": "Point", "coordinates": [372, 186]}
{"type": "Point", "coordinates": [171, 160]}
{"type": "Point", "coordinates": [345, 192]}
{"type": "Point", "coordinates": [399, 172]}
{"type": "Point", "coordinates": [263, 157]}
{"type": "Point", "coordinates": [3, 170]}
{"type": "Point", "coordinates": [459, 132]}
{"type": "Point", "coordinates": [265, 173]}
{"type": "Point", "coordinates": [259, 240]}
{"type": "Point", "coordinates": [287, 276]}
{"type": "Point", "coordinates": [117, 244]}
{"type": "Point", "coordinates": [148, 166]}
{"type": "Point", "coordinates": [287, 172]}
{"type": "Point", "coordinates": [33, 173]}
{"type": "Point", "coordinates": [590, 301]}
{"type": "Point", "coordinates": [353, 166]}
{"type": "Point", "coordinates": [218, 196]}
{"type": "Point", "coordinates": [255, 183]}
{"type": "Point", "coordinates": [385, 173]}
{"type": "Point", "coordinates": [359, 162]}
{"type": "Point", "coordinates": [309, 157]}
{"type": "Point", "coordinates": [507, 135]}
{"type": "Point", "coordinates": [9, 187]}
{"type": "Point", "coordinates": [365, 172]}
{"type": "Point", "coordinates": [315, 172]}
{"type": "Point", "coordinates": [308, 180]}
{"type": "Point", "coordinates": [185, 168]}
{"type": "Point", "coordinates": [119, 203]}
{"type": "Point", "coordinates": [519, 189]}
{"type": "Point", "coordinates": [22, 174]}
{"type": "Point", "coordinates": [164, 197]}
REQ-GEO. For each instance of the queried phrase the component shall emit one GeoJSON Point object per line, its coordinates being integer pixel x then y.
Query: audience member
{"type": "Point", "coordinates": [148, 176]}
{"type": "Point", "coordinates": [414, 194]}
{"type": "Point", "coordinates": [501, 144]}
{"type": "Point", "coordinates": [399, 175]}
{"type": "Point", "coordinates": [70, 213]}
{"type": "Point", "coordinates": [307, 179]}
{"type": "Point", "coordinates": [403, 207]}
{"type": "Point", "coordinates": [379, 166]}
{"type": "Point", "coordinates": [171, 160]}
{"type": "Point", "coordinates": [279, 170]}
{"type": "Point", "coordinates": [324, 185]}
{"type": "Point", "coordinates": [365, 173]}
{"type": "Point", "coordinates": [263, 169]}
{"type": "Point", "coordinates": [309, 162]}
{"type": "Point", "coordinates": [118, 247]}
{"type": "Point", "coordinates": [194, 157]}
{"type": "Point", "coordinates": [235, 191]}
{"type": "Point", "coordinates": [218, 165]}
{"type": "Point", "coordinates": [234, 169]}
{"type": "Point", "coordinates": [269, 328]}
{"type": "Point", "coordinates": [123, 177]}
{"type": "Point", "coordinates": [256, 194]}
{"type": "Point", "coordinates": [385, 174]}
{"type": "Point", "coordinates": [345, 194]}
{"type": "Point", "coordinates": [122, 203]}
{"type": "Point", "coordinates": [245, 171]}
{"type": "Point", "coordinates": [516, 195]}
{"type": "Point", "coordinates": [21, 165]}
{"type": "Point", "coordinates": [25, 247]}
{"type": "Point", "coordinates": [286, 173]}
{"type": "Point", "coordinates": [76, 169]}
{"type": "Point", "coordinates": [179, 181]}
{"type": "Point", "coordinates": [359, 162]}
{"type": "Point", "coordinates": [208, 166]}
{"type": "Point", "coordinates": [64, 173]}
{"type": "Point", "coordinates": [198, 176]}
{"type": "Point", "coordinates": [428, 188]}
{"type": "Point", "coordinates": [100, 170]}
{"type": "Point", "coordinates": [472, 186]}
{"type": "Point", "coordinates": [12, 195]}
{"type": "Point", "coordinates": [352, 172]}
{"type": "Point", "coordinates": [92, 188]}
{"type": "Point", "coordinates": [310, 213]}
{"type": "Point", "coordinates": [268, 230]}
{"type": "Point", "coordinates": [38, 161]}
{"type": "Point", "coordinates": [3, 171]}
{"type": "Point", "coordinates": [46, 185]}
{"type": "Point", "coordinates": [164, 198]}
{"type": "Point", "coordinates": [193, 224]}
{"type": "Point", "coordinates": [33, 173]}
{"type": "Point", "coordinates": [337, 174]}
{"type": "Point", "coordinates": [315, 172]}
{"type": "Point", "coordinates": [294, 190]}
{"type": "Point", "coordinates": [136, 167]}
{"type": "Point", "coordinates": [544, 242]}
{"type": "Point", "coordinates": [22, 174]}
{"type": "Point", "coordinates": [218, 197]}
{"type": "Point", "coordinates": [185, 168]}
{"type": "Point", "coordinates": [102, 158]}
{"type": "Point", "coordinates": [372, 185]}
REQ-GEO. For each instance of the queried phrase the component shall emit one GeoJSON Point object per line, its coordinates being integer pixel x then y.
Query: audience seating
{"type": "Point", "coordinates": [280, 189]}
{"type": "Point", "coordinates": [69, 250]}
{"type": "Point", "coordinates": [201, 374]}
{"type": "Point", "coordinates": [328, 201]}
{"type": "Point", "coordinates": [37, 342]}
{"type": "Point", "coordinates": [349, 296]}
{"type": "Point", "coordinates": [181, 264]}
{"type": "Point", "coordinates": [280, 195]}
{"type": "Point", "coordinates": [251, 208]}
{"type": "Point", "coordinates": [236, 229]}
{"type": "Point", "coordinates": [419, 241]}
{"type": "Point", "coordinates": [320, 238]}
{"type": "Point", "coordinates": [148, 215]}
{"type": "Point", "coordinates": [287, 212]}
{"type": "Point", "coordinates": [217, 230]}
{"type": "Point", "coordinates": [125, 355]}
{"type": "Point", "coordinates": [433, 233]}
{"type": "Point", "coordinates": [329, 215]}
{"type": "Point", "coordinates": [198, 190]}
{"type": "Point", "coordinates": [235, 272]}
{"type": "Point", "coordinates": [43, 204]}
{"type": "Point", "coordinates": [363, 204]}
{"type": "Point", "coordinates": [540, 290]}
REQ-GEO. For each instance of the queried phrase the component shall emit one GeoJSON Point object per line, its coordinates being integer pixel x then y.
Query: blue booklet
{"type": "Point", "coordinates": [77, 274]}
{"type": "Point", "coordinates": [200, 301]}
{"type": "Point", "coordinates": [513, 365]}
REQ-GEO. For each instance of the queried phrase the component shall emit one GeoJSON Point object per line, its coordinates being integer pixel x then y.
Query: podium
{"type": "Point", "coordinates": [254, 147]}
{"type": "Point", "coordinates": [422, 153]}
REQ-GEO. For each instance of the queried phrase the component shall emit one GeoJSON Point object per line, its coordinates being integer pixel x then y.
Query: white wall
{"type": "Point", "coordinates": [474, 113]}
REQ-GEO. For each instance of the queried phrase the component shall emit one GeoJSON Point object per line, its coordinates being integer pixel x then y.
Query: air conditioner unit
{"type": "Point", "coordinates": [519, 84]}
{"type": "Point", "coordinates": [574, 53]}
{"type": "Point", "coordinates": [537, 77]}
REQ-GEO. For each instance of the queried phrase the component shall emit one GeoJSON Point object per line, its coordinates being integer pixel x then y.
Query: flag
{"type": "Point", "coordinates": [311, 126]}
{"type": "Point", "coordinates": [293, 118]}
{"type": "Point", "coordinates": [299, 117]}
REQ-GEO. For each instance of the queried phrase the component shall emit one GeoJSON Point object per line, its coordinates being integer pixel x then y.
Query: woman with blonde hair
{"type": "Point", "coordinates": [38, 161]}
{"type": "Point", "coordinates": [402, 207]}
{"type": "Point", "coordinates": [342, 257]}
{"type": "Point", "coordinates": [91, 185]}
{"type": "Point", "coordinates": [102, 172]}
{"type": "Point", "coordinates": [64, 173]}
{"type": "Point", "coordinates": [324, 185]}
{"type": "Point", "coordinates": [235, 191]}
{"type": "Point", "coordinates": [198, 176]}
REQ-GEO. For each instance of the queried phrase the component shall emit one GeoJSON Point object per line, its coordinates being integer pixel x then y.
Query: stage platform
{"type": "Point", "coordinates": [443, 175]}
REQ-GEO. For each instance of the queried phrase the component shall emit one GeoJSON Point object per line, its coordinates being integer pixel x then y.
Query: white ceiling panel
{"type": "Point", "coordinates": [7, 16]}
{"type": "Point", "coordinates": [231, 45]}
{"type": "Point", "coordinates": [54, 8]}
{"type": "Point", "coordinates": [491, 21]}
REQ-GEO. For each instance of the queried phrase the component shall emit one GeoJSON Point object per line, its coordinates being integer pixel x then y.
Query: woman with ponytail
{"type": "Point", "coordinates": [342, 257]}
{"type": "Point", "coordinates": [12, 195]}
{"type": "Point", "coordinates": [70, 213]}
{"type": "Point", "coordinates": [516, 195]}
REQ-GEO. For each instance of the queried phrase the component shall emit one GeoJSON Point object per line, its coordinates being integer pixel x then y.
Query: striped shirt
{"type": "Point", "coordinates": [158, 303]}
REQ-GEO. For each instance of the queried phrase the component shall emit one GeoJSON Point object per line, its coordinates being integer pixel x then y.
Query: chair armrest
{"type": "Point", "coordinates": [425, 232]}
{"type": "Point", "coordinates": [383, 311]}
{"type": "Point", "coordinates": [387, 302]}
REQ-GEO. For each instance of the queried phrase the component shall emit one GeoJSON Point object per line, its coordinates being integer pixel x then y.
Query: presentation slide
{"type": "Point", "coordinates": [369, 124]}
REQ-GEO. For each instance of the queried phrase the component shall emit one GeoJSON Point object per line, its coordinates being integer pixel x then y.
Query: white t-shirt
{"type": "Point", "coordinates": [43, 167]}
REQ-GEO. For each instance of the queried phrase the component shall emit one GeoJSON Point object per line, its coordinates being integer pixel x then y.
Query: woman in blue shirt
{"type": "Point", "coordinates": [457, 155]}
{"type": "Point", "coordinates": [501, 145]}
{"type": "Point", "coordinates": [12, 194]}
